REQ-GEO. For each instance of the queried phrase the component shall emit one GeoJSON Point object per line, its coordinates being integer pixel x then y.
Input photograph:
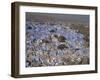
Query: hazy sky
{"type": "Point", "coordinates": [61, 17]}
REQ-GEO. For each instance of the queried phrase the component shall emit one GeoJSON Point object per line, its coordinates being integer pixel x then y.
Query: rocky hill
{"type": "Point", "coordinates": [56, 44]}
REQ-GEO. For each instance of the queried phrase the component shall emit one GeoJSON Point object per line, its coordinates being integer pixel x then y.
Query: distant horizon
{"type": "Point", "coordinates": [31, 16]}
